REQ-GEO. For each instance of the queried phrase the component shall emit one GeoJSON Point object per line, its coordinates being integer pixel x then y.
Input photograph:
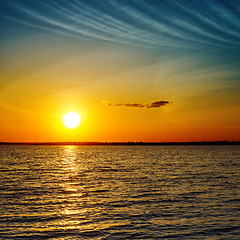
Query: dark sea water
{"type": "Point", "coordinates": [119, 192]}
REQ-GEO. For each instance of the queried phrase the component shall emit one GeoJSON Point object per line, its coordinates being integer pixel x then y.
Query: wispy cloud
{"type": "Point", "coordinates": [151, 24]}
{"type": "Point", "coordinates": [156, 104]}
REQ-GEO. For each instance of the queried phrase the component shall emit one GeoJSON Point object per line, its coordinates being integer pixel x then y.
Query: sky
{"type": "Point", "coordinates": [135, 70]}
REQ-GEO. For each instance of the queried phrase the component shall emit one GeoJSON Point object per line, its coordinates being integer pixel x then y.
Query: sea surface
{"type": "Point", "coordinates": [119, 192]}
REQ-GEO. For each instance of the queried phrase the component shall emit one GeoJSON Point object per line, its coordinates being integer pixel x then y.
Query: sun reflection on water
{"type": "Point", "coordinates": [69, 157]}
{"type": "Point", "coordinates": [72, 195]}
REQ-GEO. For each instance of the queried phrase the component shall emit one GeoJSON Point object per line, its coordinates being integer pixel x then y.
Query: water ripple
{"type": "Point", "coordinates": [186, 194]}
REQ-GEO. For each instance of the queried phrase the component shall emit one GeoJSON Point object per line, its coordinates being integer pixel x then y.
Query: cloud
{"type": "Point", "coordinates": [156, 104]}
{"type": "Point", "coordinates": [148, 24]}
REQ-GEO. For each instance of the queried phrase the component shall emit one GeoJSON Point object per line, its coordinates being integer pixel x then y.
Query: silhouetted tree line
{"type": "Point", "coordinates": [125, 143]}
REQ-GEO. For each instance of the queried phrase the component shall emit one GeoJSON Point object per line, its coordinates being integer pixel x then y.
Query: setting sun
{"type": "Point", "coordinates": [71, 120]}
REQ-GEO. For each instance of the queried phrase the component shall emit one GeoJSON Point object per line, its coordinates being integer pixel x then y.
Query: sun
{"type": "Point", "coordinates": [71, 120]}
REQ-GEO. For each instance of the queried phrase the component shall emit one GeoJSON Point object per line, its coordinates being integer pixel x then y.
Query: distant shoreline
{"type": "Point", "coordinates": [124, 143]}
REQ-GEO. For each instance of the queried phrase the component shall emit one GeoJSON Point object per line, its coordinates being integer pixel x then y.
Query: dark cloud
{"type": "Point", "coordinates": [126, 105]}
{"type": "Point", "coordinates": [156, 104]}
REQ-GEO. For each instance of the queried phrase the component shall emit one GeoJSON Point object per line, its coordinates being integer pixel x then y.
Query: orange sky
{"type": "Point", "coordinates": [47, 74]}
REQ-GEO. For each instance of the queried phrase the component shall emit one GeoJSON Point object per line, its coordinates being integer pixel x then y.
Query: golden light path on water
{"type": "Point", "coordinates": [74, 191]}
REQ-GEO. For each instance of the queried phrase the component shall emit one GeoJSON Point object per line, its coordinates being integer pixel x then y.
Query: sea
{"type": "Point", "coordinates": [119, 192]}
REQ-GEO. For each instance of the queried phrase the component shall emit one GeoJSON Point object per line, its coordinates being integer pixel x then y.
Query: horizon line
{"type": "Point", "coordinates": [218, 142]}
